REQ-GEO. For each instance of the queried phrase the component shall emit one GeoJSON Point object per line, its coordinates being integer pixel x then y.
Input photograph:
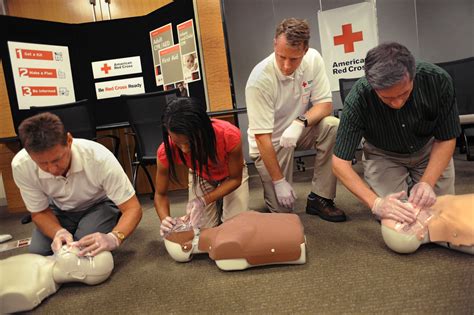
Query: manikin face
{"type": "Point", "coordinates": [181, 141]}
{"type": "Point", "coordinates": [90, 270]}
{"type": "Point", "coordinates": [396, 96]}
{"type": "Point", "coordinates": [288, 58]}
{"type": "Point", "coordinates": [55, 161]}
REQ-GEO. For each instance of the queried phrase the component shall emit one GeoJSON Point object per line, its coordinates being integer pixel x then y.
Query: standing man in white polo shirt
{"type": "Point", "coordinates": [289, 105]}
{"type": "Point", "coordinates": [75, 189]}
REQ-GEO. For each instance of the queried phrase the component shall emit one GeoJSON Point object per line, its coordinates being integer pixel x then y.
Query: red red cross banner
{"type": "Point", "coordinates": [347, 33]}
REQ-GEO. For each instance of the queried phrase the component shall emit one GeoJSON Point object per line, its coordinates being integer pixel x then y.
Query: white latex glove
{"type": "Point", "coordinates": [291, 134]}
{"type": "Point", "coordinates": [62, 236]}
{"type": "Point", "coordinates": [392, 207]}
{"type": "Point", "coordinates": [422, 195]}
{"type": "Point", "coordinates": [195, 209]}
{"type": "Point", "coordinates": [95, 243]}
{"type": "Point", "coordinates": [166, 225]}
{"type": "Point", "coordinates": [285, 194]}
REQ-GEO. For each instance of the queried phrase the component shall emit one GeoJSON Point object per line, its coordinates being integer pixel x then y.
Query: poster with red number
{"type": "Point", "coordinates": [42, 74]}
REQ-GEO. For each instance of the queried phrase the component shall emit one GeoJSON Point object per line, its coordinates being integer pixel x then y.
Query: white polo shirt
{"type": "Point", "coordinates": [275, 100]}
{"type": "Point", "coordinates": [94, 174]}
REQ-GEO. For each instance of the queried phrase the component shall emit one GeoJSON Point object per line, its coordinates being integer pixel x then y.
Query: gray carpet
{"type": "Point", "coordinates": [348, 270]}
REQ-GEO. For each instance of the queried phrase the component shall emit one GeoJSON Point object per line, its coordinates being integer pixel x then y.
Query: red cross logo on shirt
{"type": "Point", "coordinates": [348, 38]}
{"type": "Point", "coordinates": [304, 84]}
{"type": "Point", "coordinates": [106, 68]}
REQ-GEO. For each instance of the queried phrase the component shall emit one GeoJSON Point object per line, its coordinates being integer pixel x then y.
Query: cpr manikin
{"type": "Point", "coordinates": [449, 222]}
{"type": "Point", "coordinates": [247, 240]}
{"type": "Point", "coordinates": [27, 279]}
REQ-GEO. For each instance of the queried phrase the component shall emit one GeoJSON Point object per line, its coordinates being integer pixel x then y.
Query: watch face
{"type": "Point", "coordinates": [120, 235]}
{"type": "Point", "coordinates": [303, 119]}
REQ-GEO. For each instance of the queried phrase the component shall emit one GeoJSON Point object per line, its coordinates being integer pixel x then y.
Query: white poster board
{"type": "Point", "coordinates": [42, 74]}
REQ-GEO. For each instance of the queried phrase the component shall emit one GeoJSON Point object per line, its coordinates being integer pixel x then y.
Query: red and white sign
{"type": "Point", "coordinates": [39, 90]}
{"type": "Point", "coordinates": [42, 74]}
{"type": "Point", "coordinates": [34, 54]}
{"type": "Point", "coordinates": [160, 38]}
{"type": "Point", "coordinates": [115, 88]}
{"type": "Point", "coordinates": [116, 67]}
{"type": "Point", "coordinates": [347, 33]}
{"type": "Point", "coordinates": [37, 73]}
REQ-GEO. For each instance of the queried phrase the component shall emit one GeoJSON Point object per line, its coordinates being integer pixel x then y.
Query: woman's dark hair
{"type": "Point", "coordinates": [187, 116]}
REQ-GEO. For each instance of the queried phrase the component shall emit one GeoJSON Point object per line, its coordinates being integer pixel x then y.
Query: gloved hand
{"type": "Point", "coordinates": [285, 194]}
{"type": "Point", "coordinates": [62, 236]}
{"type": "Point", "coordinates": [166, 225]}
{"type": "Point", "coordinates": [392, 207]}
{"type": "Point", "coordinates": [291, 134]}
{"type": "Point", "coordinates": [95, 243]}
{"type": "Point", "coordinates": [195, 209]}
{"type": "Point", "coordinates": [422, 195]}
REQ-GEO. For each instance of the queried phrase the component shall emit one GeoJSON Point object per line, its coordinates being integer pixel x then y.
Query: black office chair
{"type": "Point", "coordinates": [462, 73]}
{"type": "Point", "coordinates": [78, 119]}
{"type": "Point", "coordinates": [144, 115]}
{"type": "Point", "coordinates": [345, 86]}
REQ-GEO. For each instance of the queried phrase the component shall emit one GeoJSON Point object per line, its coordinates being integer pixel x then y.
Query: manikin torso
{"type": "Point", "coordinates": [27, 279]}
{"type": "Point", "coordinates": [248, 239]}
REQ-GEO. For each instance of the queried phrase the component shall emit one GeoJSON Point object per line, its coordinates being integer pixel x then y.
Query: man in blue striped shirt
{"type": "Point", "coordinates": [408, 116]}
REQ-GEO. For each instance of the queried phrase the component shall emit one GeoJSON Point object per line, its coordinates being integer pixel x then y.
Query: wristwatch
{"type": "Point", "coordinates": [119, 235]}
{"type": "Point", "coordinates": [303, 119]}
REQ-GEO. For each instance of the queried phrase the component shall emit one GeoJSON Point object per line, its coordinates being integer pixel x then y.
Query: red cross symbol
{"type": "Point", "coordinates": [304, 84]}
{"type": "Point", "coordinates": [106, 68]}
{"type": "Point", "coordinates": [348, 38]}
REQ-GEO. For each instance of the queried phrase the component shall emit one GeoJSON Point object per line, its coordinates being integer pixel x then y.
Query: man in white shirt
{"type": "Point", "coordinates": [75, 189]}
{"type": "Point", "coordinates": [278, 93]}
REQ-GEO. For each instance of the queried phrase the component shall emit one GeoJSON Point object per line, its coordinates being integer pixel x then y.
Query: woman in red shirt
{"type": "Point", "coordinates": [212, 150]}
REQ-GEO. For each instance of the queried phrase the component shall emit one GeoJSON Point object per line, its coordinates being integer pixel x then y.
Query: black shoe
{"type": "Point", "coordinates": [324, 208]}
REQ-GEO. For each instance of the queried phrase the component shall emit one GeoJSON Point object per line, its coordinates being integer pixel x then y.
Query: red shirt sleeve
{"type": "Point", "coordinates": [161, 155]}
{"type": "Point", "coordinates": [232, 137]}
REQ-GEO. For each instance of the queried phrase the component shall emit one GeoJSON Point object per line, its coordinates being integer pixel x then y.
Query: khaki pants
{"type": "Point", "coordinates": [222, 210]}
{"type": "Point", "coordinates": [321, 137]}
{"type": "Point", "coordinates": [388, 172]}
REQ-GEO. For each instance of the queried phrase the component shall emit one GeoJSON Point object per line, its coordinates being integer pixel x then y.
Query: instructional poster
{"type": "Point", "coordinates": [42, 74]}
{"type": "Point", "coordinates": [171, 67]}
{"type": "Point", "coordinates": [160, 38]}
{"type": "Point", "coordinates": [190, 60]}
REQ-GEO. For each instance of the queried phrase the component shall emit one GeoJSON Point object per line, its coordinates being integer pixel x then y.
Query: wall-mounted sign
{"type": "Point", "coordinates": [42, 74]}
{"type": "Point", "coordinates": [116, 67]}
{"type": "Point", "coordinates": [347, 33]}
{"type": "Point", "coordinates": [160, 38]}
{"type": "Point", "coordinates": [190, 60]}
{"type": "Point", "coordinates": [171, 66]}
{"type": "Point", "coordinates": [115, 88]}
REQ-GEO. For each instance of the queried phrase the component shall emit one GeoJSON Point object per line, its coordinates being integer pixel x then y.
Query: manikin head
{"type": "Point", "coordinates": [390, 70]}
{"type": "Point", "coordinates": [406, 238]}
{"type": "Point", "coordinates": [89, 270]}
{"type": "Point", "coordinates": [28, 279]}
{"type": "Point", "coordinates": [290, 44]}
{"type": "Point", "coordinates": [47, 143]}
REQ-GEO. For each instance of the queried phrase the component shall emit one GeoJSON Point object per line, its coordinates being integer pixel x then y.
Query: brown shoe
{"type": "Point", "coordinates": [324, 208]}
